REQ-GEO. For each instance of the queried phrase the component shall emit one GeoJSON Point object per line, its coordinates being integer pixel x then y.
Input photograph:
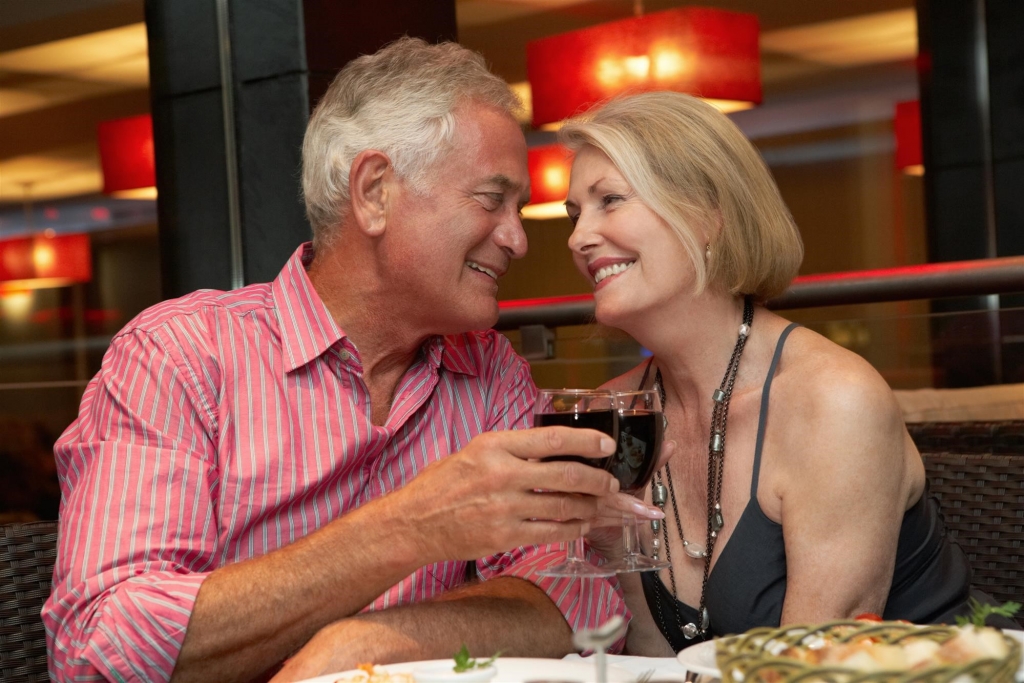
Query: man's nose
{"type": "Point", "coordinates": [511, 236]}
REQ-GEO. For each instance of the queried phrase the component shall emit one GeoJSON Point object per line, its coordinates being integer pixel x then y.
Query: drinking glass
{"type": "Point", "coordinates": [641, 432]}
{"type": "Point", "coordinates": [583, 408]}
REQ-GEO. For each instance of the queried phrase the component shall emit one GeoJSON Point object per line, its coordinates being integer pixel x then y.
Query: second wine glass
{"type": "Point", "coordinates": [641, 432]}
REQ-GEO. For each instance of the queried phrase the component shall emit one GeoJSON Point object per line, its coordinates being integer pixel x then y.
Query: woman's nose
{"type": "Point", "coordinates": [583, 237]}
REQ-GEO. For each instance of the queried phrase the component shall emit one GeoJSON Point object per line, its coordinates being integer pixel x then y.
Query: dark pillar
{"type": "Point", "coordinates": [972, 101]}
{"type": "Point", "coordinates": [280, 54]}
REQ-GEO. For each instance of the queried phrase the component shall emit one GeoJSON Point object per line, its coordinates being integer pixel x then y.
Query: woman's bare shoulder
{"type": "Point", "coordinates": [817, 368]}
{"type": "Point", "coordinates": [831, 392]}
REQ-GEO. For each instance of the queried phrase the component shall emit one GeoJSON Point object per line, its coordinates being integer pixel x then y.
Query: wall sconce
{"type": "Point", "coordinates": [710, 53]}
{"type": "Point", "coordinates": [127, 157]}
{"type": "Point", "coordinates": [44, 260]}
{"type": "Point", "coordinates": [907, 126]}
{"type": "Point", "coordinates": [549, 181]}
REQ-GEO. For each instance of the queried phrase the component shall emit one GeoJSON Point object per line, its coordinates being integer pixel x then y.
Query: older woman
{"type": "Point", "coordinates": [794, 493]}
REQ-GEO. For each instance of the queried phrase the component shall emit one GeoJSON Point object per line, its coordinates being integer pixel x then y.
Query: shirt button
{"type": "Point", "coordinates": [345, 355]}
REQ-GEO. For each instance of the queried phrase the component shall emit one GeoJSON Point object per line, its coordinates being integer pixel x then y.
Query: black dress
{"type": "Point", "coordinates": [746, 588]}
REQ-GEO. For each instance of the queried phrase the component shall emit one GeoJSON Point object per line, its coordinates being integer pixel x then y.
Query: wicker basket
{"type": "Point", "coordinates": [749, 657]}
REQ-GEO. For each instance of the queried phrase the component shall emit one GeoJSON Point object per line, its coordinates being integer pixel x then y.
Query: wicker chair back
{"type": "Point", "coordinates": [27, 554]}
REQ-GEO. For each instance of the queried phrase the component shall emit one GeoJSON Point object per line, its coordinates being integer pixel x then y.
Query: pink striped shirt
{"type": "Point", "coordinates": [223, 426]}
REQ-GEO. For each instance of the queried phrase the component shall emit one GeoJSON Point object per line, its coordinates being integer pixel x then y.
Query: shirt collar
{"type": "Point", "coordinates": [308, 329]}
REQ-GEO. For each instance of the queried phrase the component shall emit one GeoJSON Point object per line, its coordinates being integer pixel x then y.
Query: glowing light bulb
{"type": "Point", "coordinates": [668, 64]}
{"type": "Point", "coordinates": [638, 67]}
{"type": "Point", "coordinates": [43, 256]}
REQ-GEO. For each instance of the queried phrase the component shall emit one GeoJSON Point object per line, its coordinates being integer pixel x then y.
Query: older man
{"type": "Point", "coordinates": [253, 468]}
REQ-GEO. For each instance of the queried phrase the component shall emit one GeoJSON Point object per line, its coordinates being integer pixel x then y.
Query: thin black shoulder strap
{"type": "Point", "coordinates": [762, 418]}
{"type": "Point", "coordinates": [647, 371]}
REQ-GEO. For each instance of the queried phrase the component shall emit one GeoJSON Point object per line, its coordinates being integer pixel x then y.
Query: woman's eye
{"type": "Point", "coordinates": [610, 199]}
{"type": "Point", "coordinates": [574, 218]}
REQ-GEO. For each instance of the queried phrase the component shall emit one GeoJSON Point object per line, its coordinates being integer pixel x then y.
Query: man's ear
{"type": "Point", "coordinates": [368, 188]}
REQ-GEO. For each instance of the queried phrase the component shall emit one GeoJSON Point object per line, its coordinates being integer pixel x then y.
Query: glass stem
{"type": "Point", "coordinates": [630, 536]}
{"type": "Point", "coordinates": [574, 552]}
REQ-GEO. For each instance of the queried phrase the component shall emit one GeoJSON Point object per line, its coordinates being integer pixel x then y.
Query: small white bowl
{"type": "Point", "coordinates": [445, 673]}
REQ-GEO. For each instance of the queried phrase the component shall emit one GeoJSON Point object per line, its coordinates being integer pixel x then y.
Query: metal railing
{"type": "Point", "coordinates": [1003, 275]}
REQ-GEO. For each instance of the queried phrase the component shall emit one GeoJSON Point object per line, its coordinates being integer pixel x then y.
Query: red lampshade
{"type": "Point", "coordinates": [705, 52]}
{"type": "Point", "coordinates": [127, 157]}
{"type": "Point", "coordinates": [907, 125]}
{"type": "Point", "coordinates": [549, 181]}
{"type": "Point", "coordinates": [44, 261]}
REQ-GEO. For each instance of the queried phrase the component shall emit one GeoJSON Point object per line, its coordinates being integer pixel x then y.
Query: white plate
{"type": "Point", "coordinates": [512, 670]}
{"type": "Point", "coordinates": [700, 658]}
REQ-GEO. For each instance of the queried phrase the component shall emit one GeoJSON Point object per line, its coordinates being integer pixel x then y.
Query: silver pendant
{"type": "Point", "coordinates": [705, 620]}
{"type": "Point", "coordinates": [690, 631]}
{"type": "Point", "coordinates": [717, 522]}
{"type": "Point", "coordinates": [693, 550]}
{"type": "Point", "coordinates": [659, 494]}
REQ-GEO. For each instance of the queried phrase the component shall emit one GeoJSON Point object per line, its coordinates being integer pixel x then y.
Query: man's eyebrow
{"type": "Point", "coordinates": [502, 181]}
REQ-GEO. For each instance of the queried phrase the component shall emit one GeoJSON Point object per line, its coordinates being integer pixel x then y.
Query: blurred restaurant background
{"type": "Point", "coordinates": [148, 149]}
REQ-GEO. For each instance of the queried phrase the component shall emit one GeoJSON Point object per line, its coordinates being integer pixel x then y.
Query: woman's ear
{"type": "Point", "coordinates": [368, 189]}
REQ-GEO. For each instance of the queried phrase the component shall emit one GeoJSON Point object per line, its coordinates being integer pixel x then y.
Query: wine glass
{"type": "Point", "coordinates": [583, 408]}
{"type": "Point", "coordinates": [641, 432]}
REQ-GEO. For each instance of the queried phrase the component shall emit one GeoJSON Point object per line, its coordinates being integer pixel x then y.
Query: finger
{"type": "Point", "coordinates": [606, 521]}
{"type": "Point", "coordinates": [626, 504]}
{"type": "Point", "coordinates": [566, 476]}
{"type": "Point", "coordinates": [550, 531]}
{"type": "Point", "coordinates": [559, 506]}
{"type": "Point", "coordinates": [544, 442]}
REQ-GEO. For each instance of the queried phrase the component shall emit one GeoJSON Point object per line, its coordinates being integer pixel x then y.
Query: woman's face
{"type": "Point", "coordinates": [629, 254]}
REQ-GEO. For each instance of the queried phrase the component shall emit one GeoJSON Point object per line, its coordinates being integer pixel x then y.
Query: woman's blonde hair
{"type": "Point", "coordinates": [401, 100]}
{"type": "Point", "coordinates": [695, 169]}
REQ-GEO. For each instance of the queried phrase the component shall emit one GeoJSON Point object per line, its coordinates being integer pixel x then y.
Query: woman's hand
{"type": "Point", "coordinates": [605, 535]}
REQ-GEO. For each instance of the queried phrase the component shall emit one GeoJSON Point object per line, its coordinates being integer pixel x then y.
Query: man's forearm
{"type": "Point", "coordinates": [249, 616]}
{"type": "Point", "coordinates": [507, 615]}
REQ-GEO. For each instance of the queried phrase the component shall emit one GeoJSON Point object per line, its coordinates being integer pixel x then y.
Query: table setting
{"type": "Point", "coordinates": [862, 650]}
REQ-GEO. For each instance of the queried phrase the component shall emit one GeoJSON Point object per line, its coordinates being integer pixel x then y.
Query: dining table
{"type": "Point", "coordinates": [652, 669]}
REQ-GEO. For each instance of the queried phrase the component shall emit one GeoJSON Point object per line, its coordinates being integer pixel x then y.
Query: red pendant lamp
{"type": "Point", "coordinates": [127, 157]}
{"type": "Point", "coordinates": [44, 260]}
{"type": "Point", "coordinates": [549, 181]}
{"type": "Point", "coordinates": [705, 52]}
{"type": "Point", "coordinates": [907, 126]}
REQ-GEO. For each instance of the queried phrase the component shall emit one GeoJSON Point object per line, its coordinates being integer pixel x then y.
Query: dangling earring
{"type": "Point", "coordinates": [707, 252]}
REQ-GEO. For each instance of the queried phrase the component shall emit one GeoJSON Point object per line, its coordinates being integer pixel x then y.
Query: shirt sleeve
{"type": "Point", "coordinates": [137, 530]}
{"type": "Point", "coordinates": [584, 604]}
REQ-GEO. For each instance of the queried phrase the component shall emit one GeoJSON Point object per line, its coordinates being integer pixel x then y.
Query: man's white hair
{"type": "Point", "coordinates": [400, 101]}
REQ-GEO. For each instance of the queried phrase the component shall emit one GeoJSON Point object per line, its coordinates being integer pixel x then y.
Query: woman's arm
{"type": "Point", "coordinates": [844, 470]}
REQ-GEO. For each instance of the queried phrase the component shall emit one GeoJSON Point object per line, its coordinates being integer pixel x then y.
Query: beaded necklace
{"type": "Point", "coordinates": [716, 465]}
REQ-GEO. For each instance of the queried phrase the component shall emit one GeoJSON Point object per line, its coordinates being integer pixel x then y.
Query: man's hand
{"type": "Point", "coordinates": [341, 646]}
{"type": "Point", "coordinates": [496, 494]}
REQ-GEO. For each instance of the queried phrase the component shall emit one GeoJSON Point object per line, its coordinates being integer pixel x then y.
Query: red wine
{"type": "Point", "coordinates": [640, 436]}
{"type": "Point", "coordinates": [601, 420]}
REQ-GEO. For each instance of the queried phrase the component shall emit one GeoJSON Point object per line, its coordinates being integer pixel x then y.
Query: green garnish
{"type": "Point", "coordinates": [463, 662]}
{"type": "Point", "coordinates": [981, 611]}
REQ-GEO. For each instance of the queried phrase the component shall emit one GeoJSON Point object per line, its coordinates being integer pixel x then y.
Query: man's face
{"type": "Point", "coordinates": [451, 242]}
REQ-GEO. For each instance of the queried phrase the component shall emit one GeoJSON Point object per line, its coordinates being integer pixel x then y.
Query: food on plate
{"type": "Point", "coordinates": [368, 673]}
{"type": "Point", "coordinates": [907, 654]}
{"type": "Point", "coordinates": [463, 662]}
{"type": "Point", "coordinates": [859, 651]}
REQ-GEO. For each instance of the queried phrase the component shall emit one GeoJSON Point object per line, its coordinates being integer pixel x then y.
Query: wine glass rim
{"type": "Point", "coordinates": [580, 392]}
